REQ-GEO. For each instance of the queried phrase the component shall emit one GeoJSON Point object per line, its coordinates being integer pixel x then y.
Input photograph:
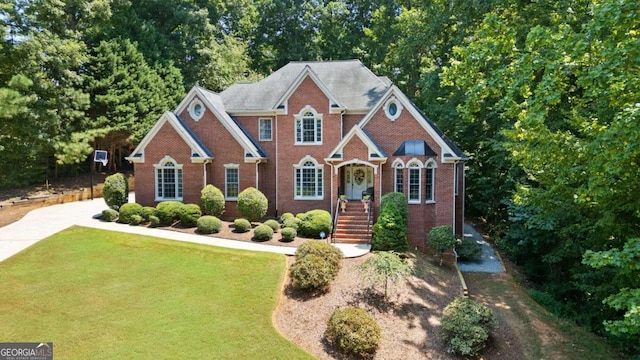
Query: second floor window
{"type": "Point", "coordinates": [265, 130]}
{"type": "Point", "coordinates": [308, 128]}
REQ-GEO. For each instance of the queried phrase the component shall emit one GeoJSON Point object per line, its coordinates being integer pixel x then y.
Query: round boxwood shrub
{"type": "Point", "coordinates": [315, 222]}
{"type": "Point", "coordinates": [116, 190]}
{"type": "Point", "coordinates": [263, 232]}
{"type": "Point", "coordinates": [441, 238]}
{"type": "Point", "coordinates": [147, 211]}
{"type": "Point", "coordinates": [189, 215]}
{"type": "Point", "coordinates": [293, 222]}
{"type": "Point", "coordinates": [354, 332]}
{"type": "Point", "coordinates": [154, 221]}
{"type": "Point", "coordinates": [212, 200]}
{"type": "Point", "coordinates": [109, 215]}
{"type": "Point", "coordinates": [300, 215]}
{"type": "Point", "coordinates": [241, 225]}
{"type": "Point", "coordinates": [288, 234]}
{"type": "Point", "coordinates": [136, 219]}
{"type": "Point", "coordinates": [252, 204]}
{"type": "Point", "coordinates": [128, 210]}
{"type": "Point", "coordinates": [273, 225]}
{"type": "Point", "coordinates": [466, 325]}
{"type": "Point", "coordinates": [312, 272]}
{"type": "Point", "coordinates": [286, 216]}
{"type": "Point", "coordinates": [320, 248]}
{"type": "Point", "coordinates": [468, 249]}
{"type": "Point", "coordinates": [208, 224]}
{"type": "Point", "coordinates": [168, 212]}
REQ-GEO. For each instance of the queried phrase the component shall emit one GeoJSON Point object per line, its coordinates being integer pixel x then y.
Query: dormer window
{"type": "Point", "coordinates": [196, 109]}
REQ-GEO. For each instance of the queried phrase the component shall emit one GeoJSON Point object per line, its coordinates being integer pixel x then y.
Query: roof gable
{"type": "Point", "coordinates": [199, 152]}
{"type": "Point", "coordinates": [374, 152]}
{"type": "Point", "coordinates": [449, 152]}
{"type": "Point", "coordinates": [213, 102]}
{"type": "Point", "coordinates": [307, 72]}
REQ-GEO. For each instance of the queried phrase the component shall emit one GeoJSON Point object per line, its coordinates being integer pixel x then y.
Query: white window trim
{"type": "Point", "coordinates": [298, 119]}
{"type": "Point", "coordinates": [397, 164]}
{"type": "Point", "coordinates": [192, 111]}
{"type": "Point", "coordinates": [412, 165]}
{"type": "Point", "coordinates": [456, 179]}
{"type": "Point", "coordinates": [399, 107]}
{"type": "Point", "coordinates": [431, 164]}
{"type": "Point", "coordinates": [226, 167]}
{"type": "Point", "coordinates": [260, 138]}
{"type": "Point", "coordinates": [300, 166]}
{"type": "Point", "coordinates": [160, 166]}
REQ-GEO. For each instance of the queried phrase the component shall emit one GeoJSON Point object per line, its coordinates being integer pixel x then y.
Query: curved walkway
{"type": "Point", "coordinates": [44, 222]}
{"type": "Point", "coordinates": [489, 262]}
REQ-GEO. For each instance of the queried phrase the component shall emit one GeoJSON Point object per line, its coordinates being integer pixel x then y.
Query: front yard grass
{"type": "Point", "coordinates": [101, 294]}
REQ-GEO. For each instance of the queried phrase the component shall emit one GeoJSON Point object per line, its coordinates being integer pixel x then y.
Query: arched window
{"type": "Point", "coordinates": [414, 180]}
{"type": "Point", "coordinates": [308, 180]}
{"type": "Point", "coordinates": [398, 175]}
{"type": "Point", "coordinates": [429, 181]}
{"type": "Point", "coordinates": [308, 127]}
{"type": "Point", "coordinates": [168, 180]}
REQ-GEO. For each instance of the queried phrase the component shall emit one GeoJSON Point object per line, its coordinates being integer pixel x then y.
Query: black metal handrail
{"type": "Point", "coordinates": [335, 222]}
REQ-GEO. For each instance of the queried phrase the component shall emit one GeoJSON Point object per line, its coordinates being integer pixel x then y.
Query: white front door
{"type": "Point", "coordinates": [357, 180]}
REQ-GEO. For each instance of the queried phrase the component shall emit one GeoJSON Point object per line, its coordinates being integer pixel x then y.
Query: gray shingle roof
{"type": "Point", "coordinates": [352, 83]}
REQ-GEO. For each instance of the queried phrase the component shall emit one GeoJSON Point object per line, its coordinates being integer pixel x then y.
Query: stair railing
{"type": "Point", "coordinates": [369, 224]}
{"type": "Point", "coordinates": [335, 222]}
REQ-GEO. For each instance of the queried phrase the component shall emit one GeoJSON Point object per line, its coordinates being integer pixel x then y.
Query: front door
{"type": "Point", "coordinates": [357, 180]}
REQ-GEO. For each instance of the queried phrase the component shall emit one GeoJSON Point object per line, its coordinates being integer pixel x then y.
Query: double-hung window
{"type": "Point", "coordinates": [308, 127]}
{"type": "Point", "coordinates": [168, 180]}
{"type": "Point", "coordinates": [231, 181]}
{"type": "Point", "coordinates": [308, 180]}
{"type": "Point", "coordinates": [265, 133]}
{"type": "Point", "coordinates": [414, 179]}
{"type": "Point", "coordinates": [399, 180]}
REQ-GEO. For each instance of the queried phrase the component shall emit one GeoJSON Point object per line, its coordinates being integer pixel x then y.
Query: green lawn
{"type": "Point", "coordinates": [100, 294]}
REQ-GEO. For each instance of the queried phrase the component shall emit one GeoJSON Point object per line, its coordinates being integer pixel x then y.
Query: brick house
{"type": "Point", "coordinates": [304, 135]}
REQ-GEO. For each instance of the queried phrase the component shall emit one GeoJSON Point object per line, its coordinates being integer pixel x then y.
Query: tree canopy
{"type": "Point", "coordinates": [543, 96]}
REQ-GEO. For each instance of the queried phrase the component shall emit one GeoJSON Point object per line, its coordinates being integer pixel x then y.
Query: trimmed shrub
{"type": "Point", "coordinates": [208, 224]}
{"type": "Point", "coordinates": [466, 325]}
{"type": "Point", "coordinates": [168, 212]}
{"type": "Point", "coordinates": [116, 190]}
{"type": "Point", "coordinates": [286, 216]}
{"type": "Point", "coordinates": [189, 215]}
{"type": "Point", "coordinates": [252, 204]}
{"type": "Point", "coordinates": [136, 219]}
{"type": "Point", "coordinates": [109, 215]}
{"type": "Point", "coordinates": [293, 223]}
{"type": "Point", "coordinates": [273, 225]}
{"type": "Point", "coordinates": [212, 200]}
{"type": "Point", "coordinates": [147, 211]}
{"type": "Point", "coordinates": [468, 249]}
{"type": "Point", "coordinates": [322, 249]}
{"type": "Point", "coordinates": [288, 234]}
{"type": "Point", "coordinates": [128, 210]}
{"type": "Point", "coordinates": [400, 203]}
{"type": "Point", "coordinates": [263, 232]}
{"type": "Point", "coordinates": [300, 216]}
{"type": "Point", "coordinates": [312, 272]}
{"type": "Point", "coordinates": [154, 221]}
{"type": "Point", "coordinates": [441, 238]}
{"type": "Point", "coordinates": [354, 332]}
{"type": "Point", "coordinates": [389, 233]}
{"type": "Point", "coordinates": [314, 222]}
{"type": "Point", "coordinates": [242, 225]}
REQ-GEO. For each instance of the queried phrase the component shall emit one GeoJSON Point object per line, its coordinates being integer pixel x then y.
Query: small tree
{"type": "Point", "coordinates": [252, 204]}
{"type": "Point", "coordinates": [116, 190]}
{"type": "Point", "coordinates": [390, 230]}
{"type": "Point", "coordinates": [385, 266]}
{"type": "Point", "coordinates": [441, 238]}
{"type": "Point", "coordinates": [212, 200]}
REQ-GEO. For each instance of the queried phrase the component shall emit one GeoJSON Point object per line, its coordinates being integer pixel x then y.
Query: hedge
{"type": "Point", "coordinates": [212, 200]}
{"type": "Point", "coordinates": [252, 204]}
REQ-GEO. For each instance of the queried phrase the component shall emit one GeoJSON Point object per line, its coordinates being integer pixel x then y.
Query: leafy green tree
{"type": "Point", "coordinates": [441, 238]}
{"type": "Point", "coordinates": [386, 266]}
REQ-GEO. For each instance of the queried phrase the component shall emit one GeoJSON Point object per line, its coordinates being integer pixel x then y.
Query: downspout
{"type": "Point", "coordinates": [257, 174]}
{"type": "Point", "coordinates": [455, 166]}
{"type": "Point", "coordinates": [204, 172]}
